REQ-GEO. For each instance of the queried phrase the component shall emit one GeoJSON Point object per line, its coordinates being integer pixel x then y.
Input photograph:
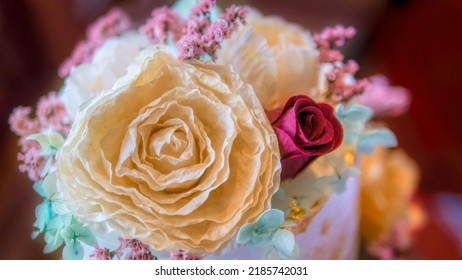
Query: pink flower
{"type": "Point", "coordinates": [21, 123]}
{"type": "Point", "coordinates": [137, 250]}
{"type": "Point", "coordinates": [330, 38]}
{"type": "Point", "coordinates": [385, 100]}
{"type": "Point", "coordinates": [181, 255]}
{"type": "Point", "coordinates": [52, 114]}
{"type": "Point", "coordinates": [203, 37]}
{"type": "Point", "coordinates": [162, 23]}
{"type": "Point", "coordinates": [305, 130]}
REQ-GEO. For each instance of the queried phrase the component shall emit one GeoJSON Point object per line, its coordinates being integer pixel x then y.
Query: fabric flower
{"type": "Point", "coordinates": [178, 155]}
{"type": "Point", "coordinates": [388, 181]}
{"type": "Point", "coordinates": [109, 63]}
{"type": "Point", "coordinates": [385, 100]}
{"type": "Point", "coordinates": [279, 59]}
{"type": "Point", "coordinates": [305, 130]}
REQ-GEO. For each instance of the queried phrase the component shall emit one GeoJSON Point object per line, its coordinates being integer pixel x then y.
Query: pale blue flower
{"type": "Point", "coordinates": [353, 119]}
{"type": "Point", "coordinates": [73, 235]}
{"type": "Point", "coordinates": [261, 231]}
{"type": "Point", "coordinates": [369, 139]}
{"type": "Point", "coordinates": [338, 181]}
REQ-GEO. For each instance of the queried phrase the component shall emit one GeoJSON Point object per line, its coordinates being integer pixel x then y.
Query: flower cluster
{"type": "Point", "coordinates": [200, 132]}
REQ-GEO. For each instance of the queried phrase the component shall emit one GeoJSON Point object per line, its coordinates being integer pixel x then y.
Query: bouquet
{"type": "Point", "coordinates": [216, 133]}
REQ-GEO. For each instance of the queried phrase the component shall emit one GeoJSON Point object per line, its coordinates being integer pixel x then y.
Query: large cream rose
{"type": "Point", "coordinates": [279, 59]}
{"type": "Point", "coordinates": [110, 62]}
{"type": "Point", "coordinates": [179, 155]}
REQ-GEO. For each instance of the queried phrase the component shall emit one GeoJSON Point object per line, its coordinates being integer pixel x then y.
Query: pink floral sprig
{"type": "Point", "coordinates": [329, 39]}
{"type": "Point", "coordinates": [50, 114]}
{"type": "Point", "coordinates": [113, 23]}
{"type": "Point", "coordinates": [105, 254]}
{"type": "Point", "coordinates": [22, 123]}
{"type": "Point", "coordinates": [137, 250]}
{"type": "Point", "coordinates": [31, 162]}
{"type": "Point", "coordinates": [201, 36]}
{"type": "Point", "coordinates": [162, 23]}
{"type": "Point", "coordinates": [341, 87]}
{"type": "Point", "coordinates": [182, 255]}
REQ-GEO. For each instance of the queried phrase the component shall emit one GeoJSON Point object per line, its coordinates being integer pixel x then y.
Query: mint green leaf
{"type": "Point", "coordinates": [245, 233]}
{"type": "Point", "coordinates": [355, 113]}
{"type": "Point", "coordinates": [52, 246]}
{"type": "Point", "coordinates": [270, 219]}
{"type": "Point", "coordinates": [336, 182]}
{"type": "Point", "coordinates": [284, 241]}
{"type": "Point", "coordinates": [43, 214]}
{"type": "Point", "coordinates": [55, 139]}
{"type": "Point", "coordinates": [42, 139]}
{"type": "Point", "coordinates": [73, 251]}
{"type": "Point", "coordinates": [38, 188]}
{"type": "Point", "coordinates": [49, 185]}
{"type": "Point", "coordinates": [86, 236]}
{"type": "Point", "coordinates": [371, 138]}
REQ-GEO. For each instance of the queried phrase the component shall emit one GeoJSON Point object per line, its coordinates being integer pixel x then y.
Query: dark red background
{"type": "Point", "coordinates": [417, 44]}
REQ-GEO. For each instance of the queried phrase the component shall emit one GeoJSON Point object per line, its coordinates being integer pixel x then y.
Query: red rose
{"type": "Point", "coordinates": [305, 130]}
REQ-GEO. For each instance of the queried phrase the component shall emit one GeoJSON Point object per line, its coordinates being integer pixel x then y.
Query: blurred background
{"type": "Point", "coordinates": [416, 43]}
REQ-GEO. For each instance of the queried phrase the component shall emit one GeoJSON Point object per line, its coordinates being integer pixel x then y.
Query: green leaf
{"type": "Point", "coordinates": [284, 241]}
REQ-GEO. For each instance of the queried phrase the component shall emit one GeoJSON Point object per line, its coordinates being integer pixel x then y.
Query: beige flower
{"type": "Point", "coordinates": [388, 181]}
{"type": "Point", "coordinates": [279, 59]}
{"type": "Point", "coordinates": [109, 63]}
{"type": "Point", "coordinates": [179, 155]}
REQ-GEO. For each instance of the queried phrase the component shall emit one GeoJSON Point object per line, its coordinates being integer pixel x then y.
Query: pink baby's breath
{"type": "Point", "coordinates": [21, 122]}
{"type": "Point", "coordinates": [137, 250]}
{"type": "Point", "coordinates": [162, 23]}
{"type": "Point", "coordinates": [32, 162]}
{"type": "Point", "coordinates": [105, 254]}
{"type": "Point", "coordinates": [51, 113]}
{"type": "Point", "coordinates": [181, 255]}
{"type": "Point", "coordinates": [203, 37]}
{"type": "Point", "coordinates": [340, 89]}
{"type": "Point", "coordinates": [330, 38]}
{"type": "Point", "coordinates": [113, 23]}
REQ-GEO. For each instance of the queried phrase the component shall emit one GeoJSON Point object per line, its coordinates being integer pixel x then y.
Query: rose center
{"type": "Point", "coordinates": [170, 141]}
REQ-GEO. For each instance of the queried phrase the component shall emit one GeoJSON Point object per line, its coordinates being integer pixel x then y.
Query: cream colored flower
{"type": "Point", "coordinates": [109, 63]}
{"type": "Point", "coordinates": [388, 181]}
{"type": "Point", "coordinates": [279, 59]}
{"type": "Point", "coordinates": [178, 154]}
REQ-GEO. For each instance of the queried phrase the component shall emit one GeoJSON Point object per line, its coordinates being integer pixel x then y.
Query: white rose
{"type": "Point", "coordinates": [279, 59]}
{"type": "Point", "coordinates": [109, 63]}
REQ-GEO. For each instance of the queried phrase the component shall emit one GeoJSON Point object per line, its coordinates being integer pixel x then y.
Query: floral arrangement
{"type": "Point", "coordinates": [207, 130]}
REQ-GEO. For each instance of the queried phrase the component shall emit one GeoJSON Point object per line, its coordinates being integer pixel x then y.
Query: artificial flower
{"type": "Point", "coordinates": [388, 181]}
{"type": "Point", "coordinates": [109, 63]}
{"type": "Point", "coordinates": [306, 130]}
{"type": "Point", "coordinates": [279, 59]}
{"type": "Point", "coordinates": [178, 154]}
